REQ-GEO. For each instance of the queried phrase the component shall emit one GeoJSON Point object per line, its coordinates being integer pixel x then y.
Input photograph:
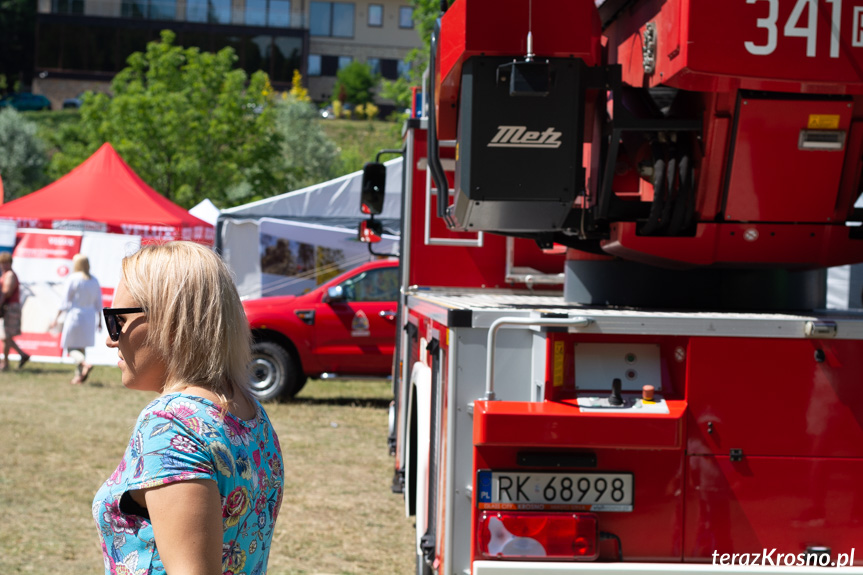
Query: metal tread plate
{"type": "Point", "coordinates": [486, 306]}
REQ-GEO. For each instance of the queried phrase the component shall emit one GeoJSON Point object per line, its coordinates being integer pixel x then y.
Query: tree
{"type": "Point", "coordinates": [399, 91]}
{"type": "Point", "coordinates": [309, 155]}
{"type": "Point", "coordinates": [23, 159]}
{"type": "Point", "coordinates": [188, 123]}
{"type": "Point", "coordinates": [355, 83]}
{"type": "Point", "coordinates": [426, 13]}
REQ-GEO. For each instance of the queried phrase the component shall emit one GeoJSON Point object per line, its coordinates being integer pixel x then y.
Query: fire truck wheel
{"type": "Point", "coordinates": [274, 372]}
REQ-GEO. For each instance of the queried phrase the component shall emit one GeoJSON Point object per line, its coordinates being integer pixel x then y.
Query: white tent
{"type": "Point", "coordinates": [207, 211]}
{"type": "Point", "coordinates": [325, 216]}
{"type": "Point", "coordinates": [845, 283]}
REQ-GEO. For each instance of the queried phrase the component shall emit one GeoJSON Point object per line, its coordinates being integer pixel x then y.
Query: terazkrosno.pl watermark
{"type": "Point", "coordinates": [771, 557]}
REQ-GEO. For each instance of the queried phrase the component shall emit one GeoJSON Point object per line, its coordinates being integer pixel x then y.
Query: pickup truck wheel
{"type": "Point", "coordinates": [274, 372]}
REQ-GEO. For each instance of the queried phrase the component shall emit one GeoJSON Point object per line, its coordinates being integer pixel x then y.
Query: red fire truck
{"type": "Point", "coordinates": [613, 353]}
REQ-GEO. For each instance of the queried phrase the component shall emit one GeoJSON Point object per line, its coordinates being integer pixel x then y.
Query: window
{"type": "Point", "coordinates": [50, 45]}
{"type": "Point", "coordinates": [286, 57]}
{"type": "Point", "coordinates": [195, 38]}
{"type": "Point", "coordinates": [212, 11]}
{"type": "Point", "coordinates": [105, 47]}
{"type": "Point", "coordinates": [374, 65]}
{"type": "Point", "coordinates": [389, 69]}
{"type": "Point", "coordinates": [406, 17]}
{"type": "Point", "coordinates": [258, 52]}
{"type": "Point", "coordinates": [256, 12]}
{"type": "Point", "coordinates": [320, 17]}
{"type": "Point", "coordinates": [376, 15]}
{"type": "Point", "coordinates": [329, 65]}
{"type": "Point", "coordinates": [334, 19]}
{"type": "Point", "coordinates": [404, 69]}
{"type": "Point", "coordinates": [272, 13]}
{"type": "Point", "coordinates": [343, 20]}
{"type": "Point", "coordinates": [314, 65]}
{"type": "Point", "coordinates": [163, 9]}
{"type": "Point", "coordinates": [149, 9]}
{"type": "Point", "coordinates": [132, 40]}
{"type": "Point", "coordinates": [220, 41]}
{"type": "Point", "coordinates": [344, 61]}
{"type": "Point", "coordinates": [134, 9]}
{"type": "Point", "coordinates": [373, 285]}
{"type": "Point", "coordinates": [322, 65]}
{"type": "Point", "coordinates": [67, 6]}
{"type": "Point", "coordinates": [279, 14]}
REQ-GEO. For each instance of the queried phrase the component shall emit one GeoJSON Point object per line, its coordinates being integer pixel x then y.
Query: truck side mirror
{"type": "Point", "coordinates": [373, 188]}
{"type": "Point", "coordinates": [335, 294]}
{"type": "Point", "coordinates": [370, 231]}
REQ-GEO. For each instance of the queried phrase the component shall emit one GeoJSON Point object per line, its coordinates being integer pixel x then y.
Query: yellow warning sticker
{"type": "Point", "coordinates": [558, 364]}
{"type": "Point", "coordinates": [823, 121]}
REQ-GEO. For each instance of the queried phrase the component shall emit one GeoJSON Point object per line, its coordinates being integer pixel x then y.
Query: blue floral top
{"type": "Point", "coordinates": [180, 437]}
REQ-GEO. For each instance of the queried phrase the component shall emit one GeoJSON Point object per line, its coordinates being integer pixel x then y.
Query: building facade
{"type": "Point", "coordinates": [81, 44]}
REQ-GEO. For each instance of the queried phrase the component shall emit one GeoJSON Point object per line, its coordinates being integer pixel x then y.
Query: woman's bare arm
{"type": "Point", "coordinates": [187, 523]}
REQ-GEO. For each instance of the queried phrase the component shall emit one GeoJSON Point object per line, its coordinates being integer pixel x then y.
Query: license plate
{"type": "Point", "coordinates": [555, 491]}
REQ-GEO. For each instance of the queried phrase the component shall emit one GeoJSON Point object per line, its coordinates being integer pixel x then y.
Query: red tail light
{"type": "Point", "coordinates": [518, 535]}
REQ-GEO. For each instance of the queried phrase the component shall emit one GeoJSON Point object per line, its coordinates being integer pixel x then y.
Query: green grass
{"type": "Point", "coordinates": [360, 140]}
{"type": "Point", "coordinates": [60, 442]}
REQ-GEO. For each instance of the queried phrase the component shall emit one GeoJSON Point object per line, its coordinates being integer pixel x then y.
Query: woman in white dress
{"type": "Point", "coordinates": [83, 307]}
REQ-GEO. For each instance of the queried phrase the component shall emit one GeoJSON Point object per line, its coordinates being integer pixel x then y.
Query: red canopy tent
{"type": "Point", "coordinates": [103, 194]}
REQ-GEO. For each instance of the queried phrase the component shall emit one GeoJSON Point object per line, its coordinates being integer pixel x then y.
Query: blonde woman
{"type": "Point", "coordinates": [82, 303]}
{"type": "Point", "coordinates": [200, 485]}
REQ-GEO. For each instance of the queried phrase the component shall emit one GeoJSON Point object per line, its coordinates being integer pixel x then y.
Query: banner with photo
{"type": "Point", "coordinates": [42, 260]}
{"type": "Point", "coordinates": [298, 257]}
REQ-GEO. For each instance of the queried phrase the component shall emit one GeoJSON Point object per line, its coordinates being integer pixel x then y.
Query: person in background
{"type": "Point", "coordinates": [200, 485]}
{"type": "Point", "coordinates": [82, 304]}
{"type": "Point", "coordinates": [10, 304]}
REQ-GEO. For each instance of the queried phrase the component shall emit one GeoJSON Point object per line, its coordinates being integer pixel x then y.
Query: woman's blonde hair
{"type": "Point", "coordinates": [196, 320]}
{"type": "Point", "coordinates": [80, 263]}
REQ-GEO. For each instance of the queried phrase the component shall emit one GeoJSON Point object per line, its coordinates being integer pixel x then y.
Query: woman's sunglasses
{"type": "Point", "coordinates": [111, 322]}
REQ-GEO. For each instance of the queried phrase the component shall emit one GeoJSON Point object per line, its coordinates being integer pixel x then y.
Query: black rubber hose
{"type": "Point", "coordinates": [433, 152]}
{"type": "Point", "coordinates": [671, 188]}
{"type": "Point", "coordinates": [689, 215]}
{"type": "Point", "coordinates": [652, 225]}
{"type": "Point", "coordinates": [681, 218]}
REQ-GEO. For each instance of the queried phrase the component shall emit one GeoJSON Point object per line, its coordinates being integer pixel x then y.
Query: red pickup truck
{"type": "Point", "coordinates": [345, 326]}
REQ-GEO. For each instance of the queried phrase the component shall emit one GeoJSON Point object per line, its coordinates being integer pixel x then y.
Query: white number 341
{"type": "Point", "coordinates": [799, 27]}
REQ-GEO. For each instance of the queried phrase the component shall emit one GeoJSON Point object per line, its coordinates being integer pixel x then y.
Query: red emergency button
{"type": "Point", "coordinates": [647, 392]}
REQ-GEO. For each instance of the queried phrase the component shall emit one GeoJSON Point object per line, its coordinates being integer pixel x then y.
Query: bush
{"type": "Point", "coordinates": [23, 158]}
{"type": "Point", "coordinates": [310, 156]}
{"type": "Point", "coordinates": [368, 111]}
{"type": "Point", "coordinates": [298, 91]}
{"type": "Point", "coordinates": [355, 82]}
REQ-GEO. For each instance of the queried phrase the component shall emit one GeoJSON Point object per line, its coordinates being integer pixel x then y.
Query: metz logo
{"type": "Point", "coordinates": [519, 137]}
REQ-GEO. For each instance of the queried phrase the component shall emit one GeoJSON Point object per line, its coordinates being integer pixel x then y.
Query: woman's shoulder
{"type": "Point", "coordinates": [175, 413]}
{"type": "Point", "coordinates": [201, 414]}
